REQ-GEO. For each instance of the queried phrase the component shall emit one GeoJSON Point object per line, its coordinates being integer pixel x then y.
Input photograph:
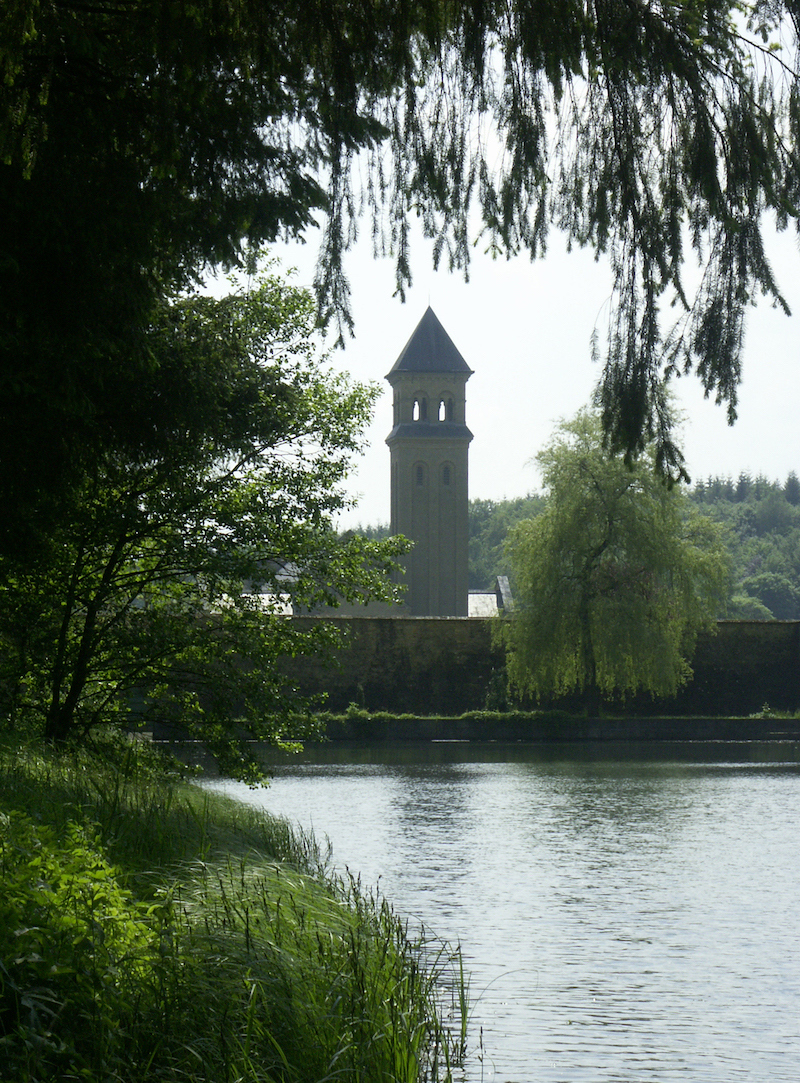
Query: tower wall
{"type": "Point", "coordinates": [429, 447]}
{"type": "Point", "coordinates": [430, 494]}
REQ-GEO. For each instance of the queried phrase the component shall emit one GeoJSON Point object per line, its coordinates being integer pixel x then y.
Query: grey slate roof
{"type": "Point", "coordinates": [430, 349]}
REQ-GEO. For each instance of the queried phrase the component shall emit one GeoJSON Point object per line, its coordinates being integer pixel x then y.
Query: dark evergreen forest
{"type": "Point", "coordinates": [761, 521]}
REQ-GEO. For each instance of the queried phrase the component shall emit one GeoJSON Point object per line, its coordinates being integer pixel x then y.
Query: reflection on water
{"type": "Point", "coordinates": [626, 914]}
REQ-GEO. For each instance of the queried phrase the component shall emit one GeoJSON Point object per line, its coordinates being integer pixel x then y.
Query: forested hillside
{"type": "Point", "coordinates": [762, 521]}
{"type": "Point", "coordinates": [489, 524]}
{"type": "Point", "coordinates": [762, 532]}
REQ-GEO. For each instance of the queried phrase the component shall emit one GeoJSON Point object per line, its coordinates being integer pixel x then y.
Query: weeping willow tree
{"type": "Point", "coordinates": [660, 133]}
{"type": "Point", "coordinates": [613, 581]}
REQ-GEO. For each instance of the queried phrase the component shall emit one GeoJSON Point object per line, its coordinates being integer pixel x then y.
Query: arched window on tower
{"type": "Point", "coordinates": [447, 474]}
{"type": "Point", "coordinates": [420, 409]}
{"type": "Point", "coordinates": [446, 409]}
{"type": "Point", "coordinates": [419, 474]}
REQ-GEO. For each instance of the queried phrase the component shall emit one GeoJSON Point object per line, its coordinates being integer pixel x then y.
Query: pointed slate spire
{"type": "Point", "coordinates": [430, 349]}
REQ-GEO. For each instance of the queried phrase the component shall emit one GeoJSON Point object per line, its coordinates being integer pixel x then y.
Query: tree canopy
{"type": "Point", "coordinates": [161, 595]}
{"type": "Point", "coordinates": [489, 524]}
{"type": "Point", "coordinates": [142, 141]}
{"type": "Point", "coordinates": [613, 580]}
{"type": "Point", "coordinates": [761, 523]}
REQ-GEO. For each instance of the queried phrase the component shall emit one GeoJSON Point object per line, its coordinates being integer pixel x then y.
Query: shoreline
{"type": "Point", "coordinates": [480, 728]}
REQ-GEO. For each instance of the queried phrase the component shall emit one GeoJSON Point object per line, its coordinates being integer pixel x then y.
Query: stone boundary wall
{"type": "Point", "coordinates": [745, 665]}
{"type": "Point", "coordinates": [446, 665]}
{"type": "Point", "coordinates": [412, 665]}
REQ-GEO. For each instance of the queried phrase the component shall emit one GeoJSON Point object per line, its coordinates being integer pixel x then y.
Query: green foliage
{"type": "Point", "coordinates": [148, 816]}
{"type": "Point", "coordinates": [489, 524]}
{"type": "Point", "coordinates": [139, 144]}
{"type": "Point", "coordinates": [373, 533]}
{"type": "Point", "coordinates": [776, 592]}
{"type": "Point", "coordinates": [159, 596]}
{"type": "Point", "coordinates": [243, 961]}
{"type": "Point", "coordinates": [762, 534]}
{"type": "Point", "coordinates": [142, 142]}
{"type": "Point", "coordinates": [613, 580]}
{"type": "Point", "coordinates": [317, 983]}
{"type": "Point", "coordinates": [791, 490]}
{"type": "Point", "coordinates": [74, 948]}
{"type": "Point", "coordinates": [745, 607]}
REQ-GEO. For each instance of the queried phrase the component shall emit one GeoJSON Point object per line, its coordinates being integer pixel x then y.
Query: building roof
{"type": "Point", "coordinates": [491, 603]}
{"type": "Point", "coordinates": [482, 603]}
{"type": "Point", "coordinates": [430, 349]}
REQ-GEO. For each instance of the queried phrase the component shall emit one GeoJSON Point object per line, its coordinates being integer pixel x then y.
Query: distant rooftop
{"type": "Point", "coordinates": [482, 604]}
{"type": "Point", "coordinates": [430, 349]}
{"type": "Point", "coordinates": [490, 603]}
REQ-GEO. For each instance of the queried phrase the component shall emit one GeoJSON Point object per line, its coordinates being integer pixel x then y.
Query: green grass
{"type": "Point", "coordinates": [152, 931]}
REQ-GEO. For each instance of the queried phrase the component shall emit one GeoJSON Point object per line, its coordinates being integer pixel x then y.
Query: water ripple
{"type": "Point", "coordinates": [623, 922]}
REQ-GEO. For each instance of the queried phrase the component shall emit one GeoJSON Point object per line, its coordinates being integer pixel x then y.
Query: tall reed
{"type": "Point", "coordinates": [215, 948]}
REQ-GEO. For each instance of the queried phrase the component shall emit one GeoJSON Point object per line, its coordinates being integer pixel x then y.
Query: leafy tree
{"type": "Point", "coordinates": [773, 513]}
{"type": "Point", "coordinates": [613, 580]}
{"type": "Point", "coordinates": [140, 142]}
{"type": "Point", "coordinates": [489, 524]}
{"type": "Point", "coordinates": [776, 592]}
{"type": "Point", "coordinates": [746, 607]}
{"type": "Point", "coordinates": [376, 532]}
{"type": "Point", "coordinates": [161, 593]}
{"type": "Point", "coordinates": [762, 534]}
{"type": "Point", "coordinates": [144, 140]}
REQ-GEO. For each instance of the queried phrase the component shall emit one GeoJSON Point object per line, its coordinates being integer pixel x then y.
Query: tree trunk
{"type": "Point", "coordinates": [592, 700]}
{"type": "Point", "coordinates": [58, 724]}
{"type": "Point", "coordinates": [61, 712]}
{"type": "Point", "coordinates": [591, 691]}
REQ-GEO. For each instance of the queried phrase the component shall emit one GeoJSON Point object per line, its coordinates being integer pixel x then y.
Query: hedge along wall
{"type": "Point", "coordinates": [446, 665]}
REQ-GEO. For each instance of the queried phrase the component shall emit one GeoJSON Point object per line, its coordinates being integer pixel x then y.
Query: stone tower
{"type": "Point", "coordinates": [429, 445]}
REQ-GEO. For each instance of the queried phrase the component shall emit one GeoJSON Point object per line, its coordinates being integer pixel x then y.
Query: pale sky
{"type": "Point", "coordinates": [525, 330]}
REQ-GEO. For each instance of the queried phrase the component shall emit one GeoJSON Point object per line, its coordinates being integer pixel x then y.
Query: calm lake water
{"type": "Point", "coordinates": [626, 914]}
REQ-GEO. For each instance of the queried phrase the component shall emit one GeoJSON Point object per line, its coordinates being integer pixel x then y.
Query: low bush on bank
{"type": "Point", "coordinates": [355, 713]}
{"type": "Point", "coordinates": [355, 717]}
{"type": "Point", "coordinates": [549, 718]}
{"type": "Point", "coordinates": [152, 931]}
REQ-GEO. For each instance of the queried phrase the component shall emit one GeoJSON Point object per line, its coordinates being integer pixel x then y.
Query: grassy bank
{"type": "Point", "coordinates": [152, 931]}
{"type": "Point", "coordinates": [557, 726]}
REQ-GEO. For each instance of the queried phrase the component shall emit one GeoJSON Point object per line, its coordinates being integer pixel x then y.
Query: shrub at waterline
{"type": "Point", "coordinates": [222, 966]}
